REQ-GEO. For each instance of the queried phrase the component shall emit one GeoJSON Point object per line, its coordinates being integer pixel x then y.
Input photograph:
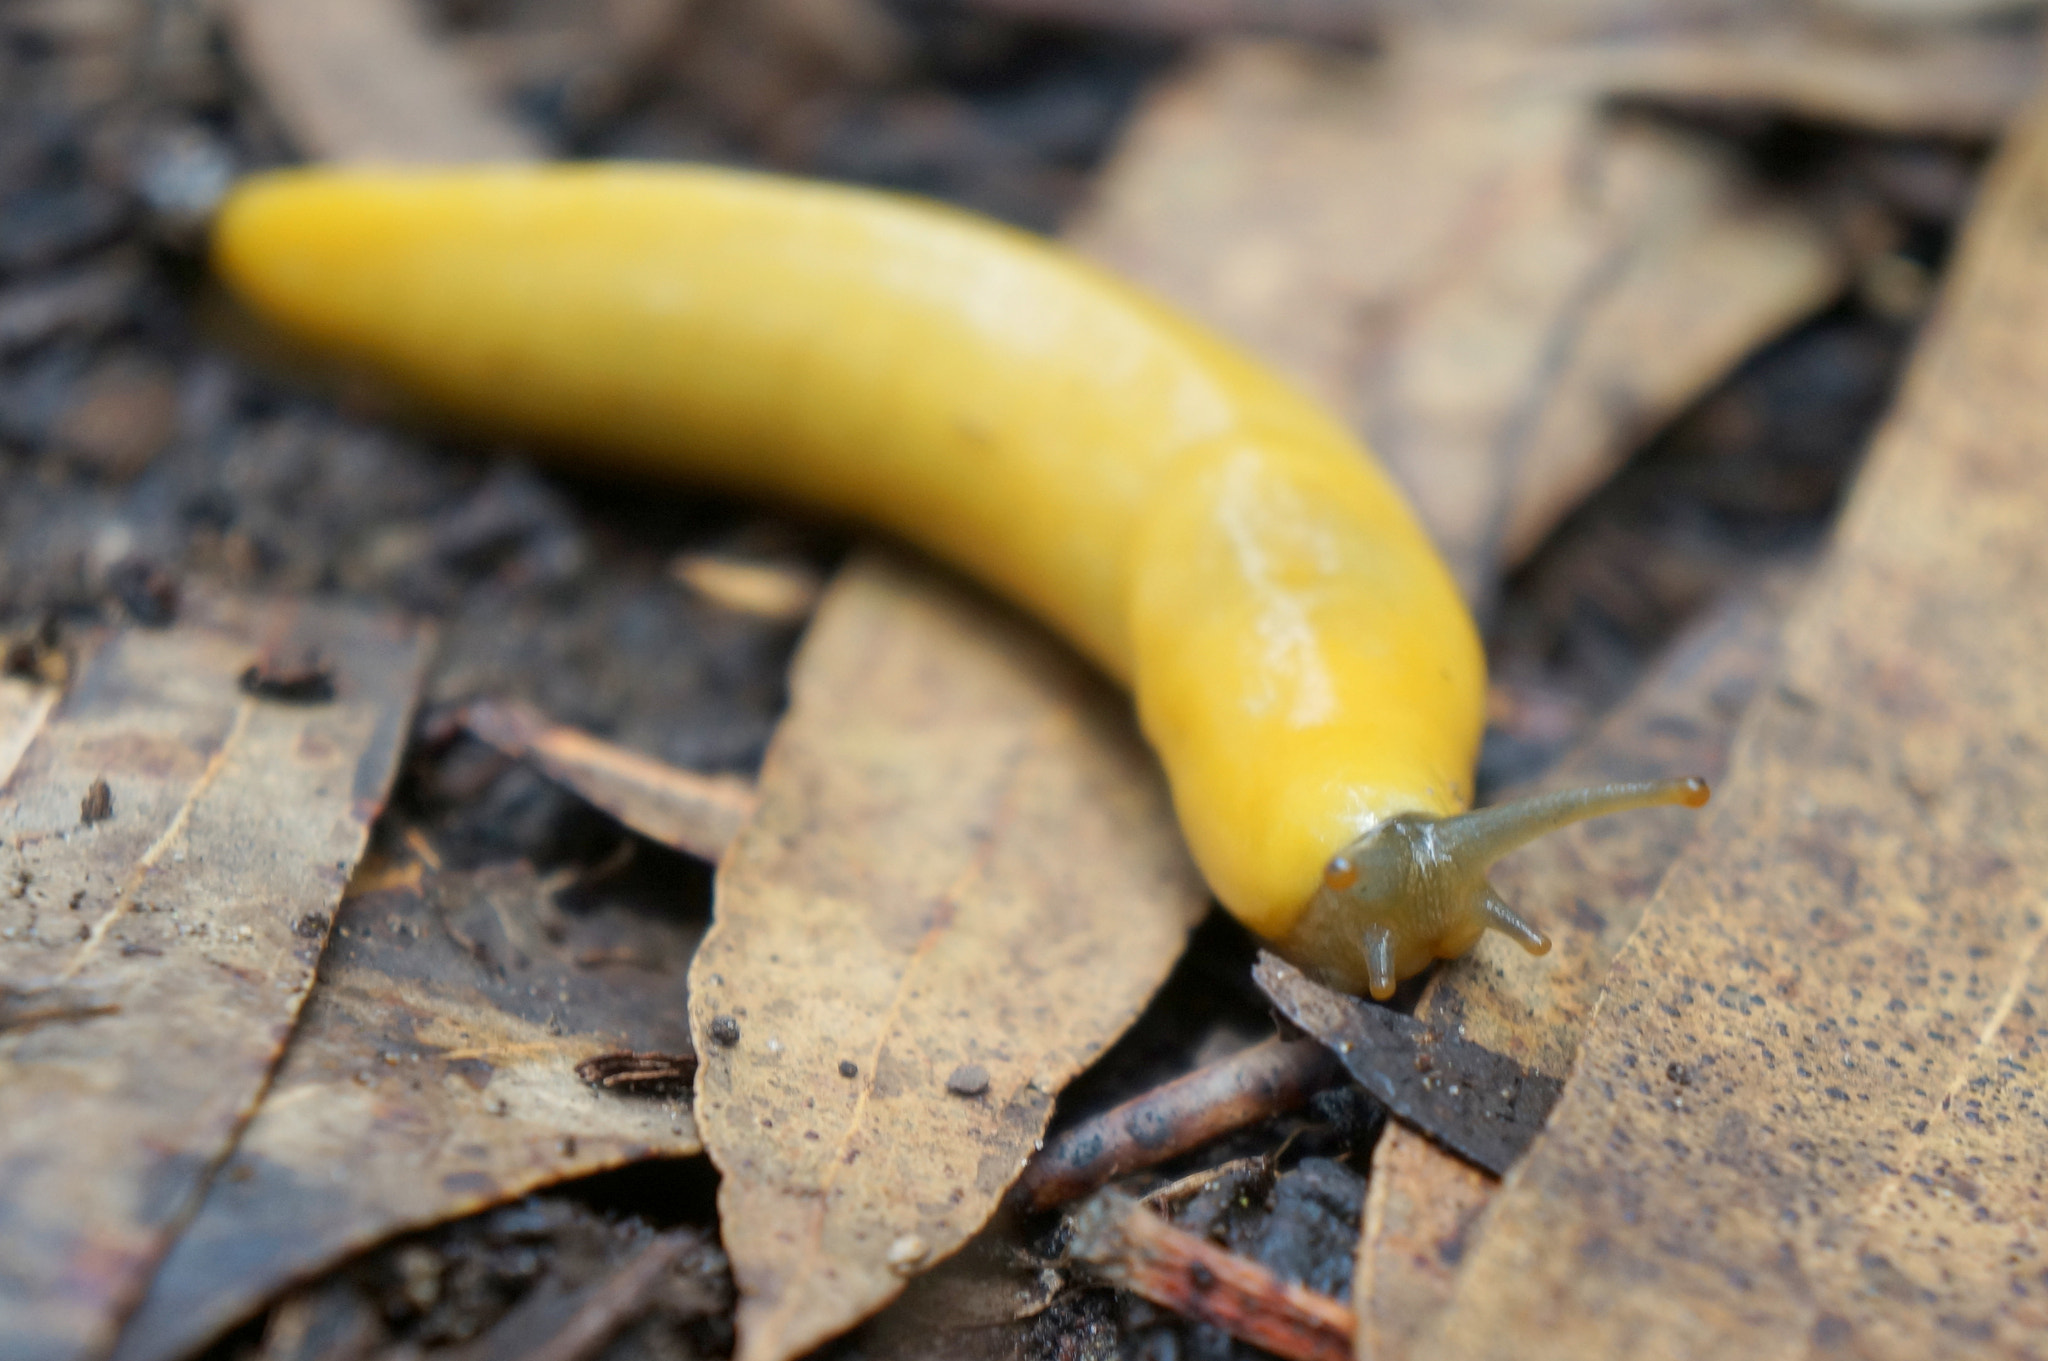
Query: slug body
{"type": "Point", "coordinates": [1301, 660]}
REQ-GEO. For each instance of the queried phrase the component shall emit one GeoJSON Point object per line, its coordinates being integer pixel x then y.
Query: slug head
{"type": "Point", "coordinates": [1414, 888]}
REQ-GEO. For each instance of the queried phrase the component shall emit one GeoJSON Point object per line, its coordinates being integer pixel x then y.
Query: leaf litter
{"type": "Point", "coordinates": [170, 944]}
{"type": "Point", "coordinates": [957, 1065]}
{"type": "Point", "coordinates": [434, 1073]}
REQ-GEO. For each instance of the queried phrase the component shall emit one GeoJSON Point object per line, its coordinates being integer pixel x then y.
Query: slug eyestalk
{"type": "Point", "coordinates": [1414, 889]}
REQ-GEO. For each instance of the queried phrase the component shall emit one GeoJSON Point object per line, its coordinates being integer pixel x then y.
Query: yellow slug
{"type": "Point", "coordinates": [1301, 660]}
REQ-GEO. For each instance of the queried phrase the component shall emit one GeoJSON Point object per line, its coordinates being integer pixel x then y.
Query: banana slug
{"type": "Point", "coordinates": [1300, 659]}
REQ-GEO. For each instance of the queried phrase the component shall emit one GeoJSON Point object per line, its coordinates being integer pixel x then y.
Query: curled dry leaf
{"type": "Point", "coordinates": [434, 1073]}
{"type": "Point", "coordinates": [1808, 1114]}
{"type": "Point", "coordinates": [964, 857]}
{"type": "Point", "coordinates": [176, 941]}
{"type": "Point", "coordinates": [1452, 244]}
{"type": "Point", "coordinates": [1588, 885]}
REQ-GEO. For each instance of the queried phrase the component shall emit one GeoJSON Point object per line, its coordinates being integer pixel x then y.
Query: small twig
{"type": "Point", "coordinates": [1239, 1175]}
{"type": "Point", "coordinates": [1251, 1085]}
{"type": "Point", "coordinates": [616, 1303]}
{"type": "Point", "coordinates": [1137, 1250]}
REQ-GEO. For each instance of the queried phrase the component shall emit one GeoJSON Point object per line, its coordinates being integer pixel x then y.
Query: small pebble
{"type": "Point", "coordinates": [906, 1253]}
{"type": "Point", "coordinates": [725, 1030]}
{"type": "Point", "coordinates": [969, 1079]}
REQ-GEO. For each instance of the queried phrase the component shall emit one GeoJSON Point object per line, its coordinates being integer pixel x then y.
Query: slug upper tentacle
{"type": "Point", "coordinates": [1302, 661]}
{"type": "Point", "coordinates": [1414, 888]}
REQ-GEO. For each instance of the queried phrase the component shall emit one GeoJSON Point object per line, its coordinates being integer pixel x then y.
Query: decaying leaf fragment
{"type": "Point", "coordinates": [1588, 884]}
{"type": "Point", "coordinates": [964, 881]}
{"type": "Point", "coordinates": [174, 940]}
{"type": "Point", "coordinates": [433, 1074]}
{"type": "Point", "coordinates": [1454, 246]}
{"type": "Point", "coordinates": [696, 814]}
{"type": "Point", "coordinates": [1809, 1116]}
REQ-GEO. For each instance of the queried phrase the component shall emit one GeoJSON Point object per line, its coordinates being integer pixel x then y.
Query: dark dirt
{"type": "Point", "coordinates": [139, 449]}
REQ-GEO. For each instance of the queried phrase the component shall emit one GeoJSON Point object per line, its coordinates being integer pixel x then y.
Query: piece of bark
{"type": "Point", "coordinates": [1588, 886]}
{"type": "Point", "coordinates": [365, 81]}
{"type": "Point", "coordinates": [1140, 1251]}
{"type": "Point", "coordinates": [964, 859]}
{"type": "Point", "coordinates": [433, 1074]}
{"type": "Point", "coordinates": [179, 934]}
{"type": "Point", "coordinates": [1807, 1114]}
{"type": "Point", "coordinates": [1482, 1105]}
{"type": "Point", "coordinates": [1453, 246]}
{"type": "Point", "coordinates": [696, 814]}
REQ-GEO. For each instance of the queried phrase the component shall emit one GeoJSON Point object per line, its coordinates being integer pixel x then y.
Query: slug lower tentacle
{"type": "Point", "coordinates": [1301, 659]}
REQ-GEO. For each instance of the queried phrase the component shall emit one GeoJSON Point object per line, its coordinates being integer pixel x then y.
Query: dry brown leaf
{"type": "Point", "coordinates": [964, 881]}
{"type": "Point", "coordinates": [696, 814]}
{"type": "Point", "coordinates": [1452, 245]}
{"type": "Point", "coordinates": [1808, 1115]}
{"type": "Point", "coordinates": [1420, 1206]}
{"type": "Point", "coordinates": [1335, 21]}
{"type": "Point", "coordinates": [432, 1074]}
{"type": "Point", "coordinates": [1588, 885]}
{"type": "Point", "coordinates": [593, 53]}
{"type": "Point", "coordinates": [364, 81]}
{"type": "Point", "coordinates": [171, 943]}
{"type": "Point", "coordinates": [1394, 21]}
{"type": "Point", "coordinates": [1965, 85]}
